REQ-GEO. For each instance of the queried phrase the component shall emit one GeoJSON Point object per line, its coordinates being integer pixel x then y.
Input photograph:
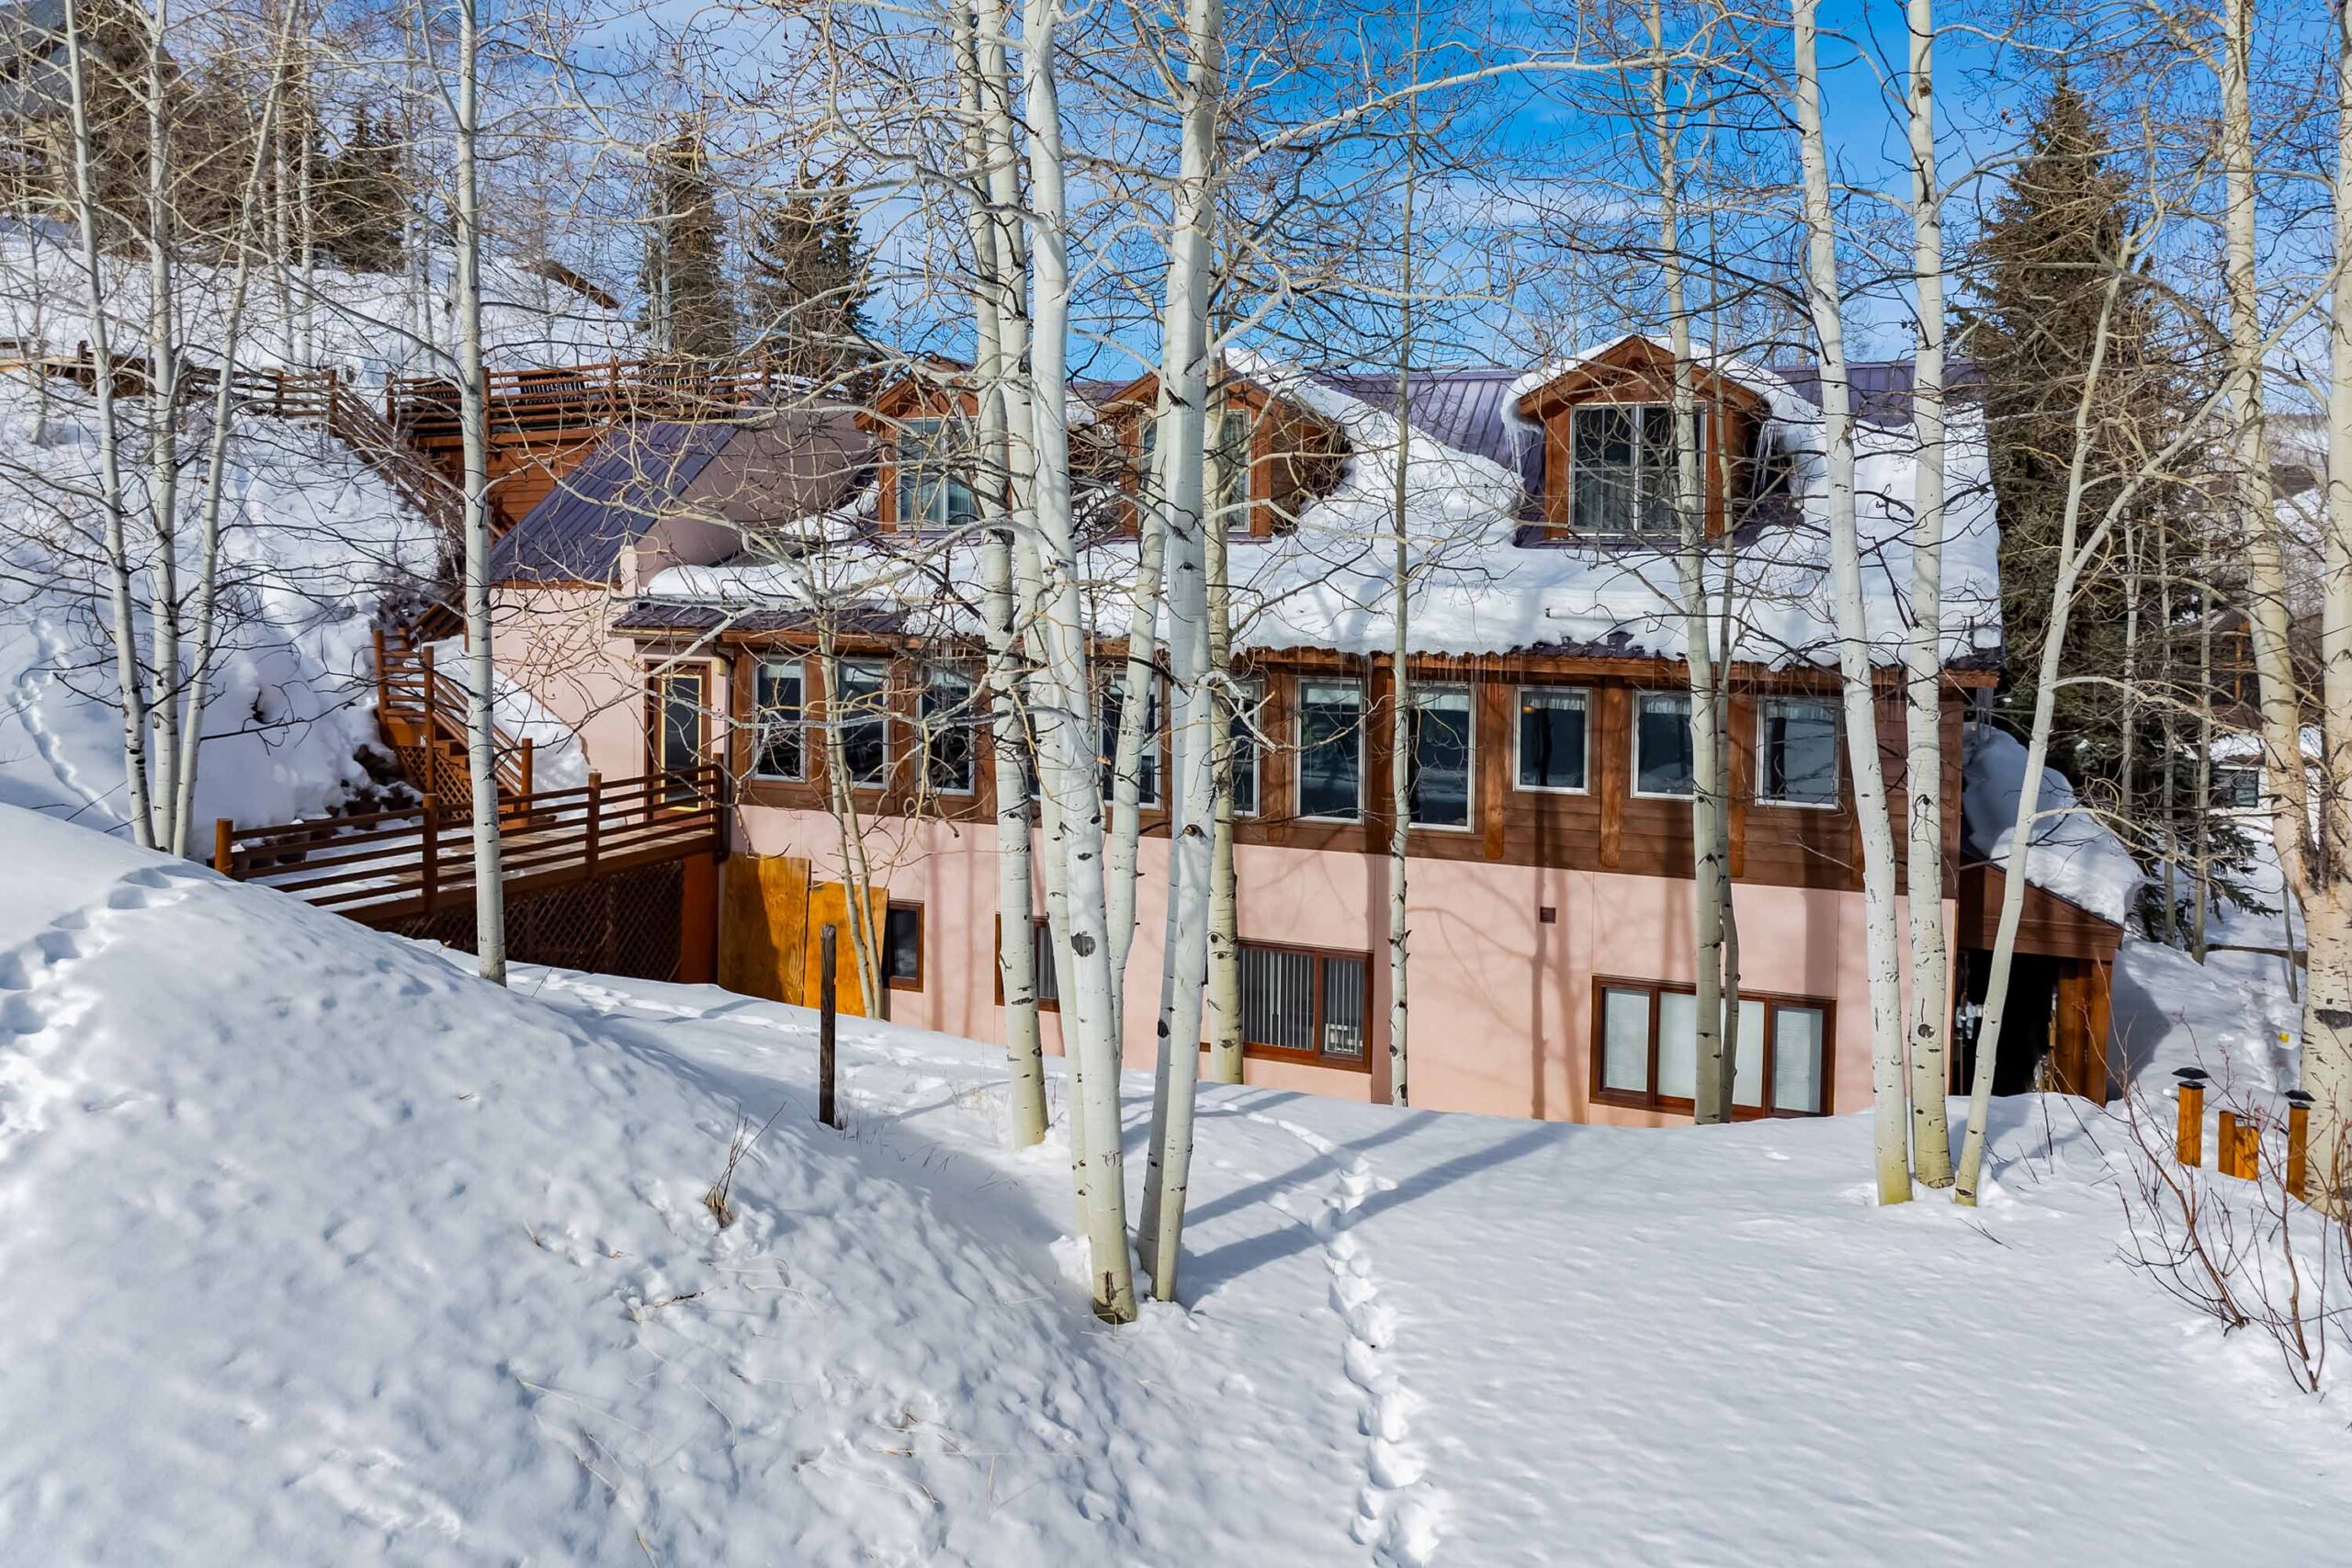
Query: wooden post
{"type": "Point", "coordinates": [224, 849]}
{"type": "Point", "coordinates": [825, 1014]}
{"type": "Point", "coordinates": [432, 713]}
{"type": "Point", "coordinates": [330, 387]}
{"type": "Point", "coordinates": [383, 684]}
{"type": "Point", "coordinates": [431, 873]}
{"type": "Point", "coordinates": [595, 817]}
{"type": "Point", "coordinates": [527, 767]}
{"type": "Point", "coordinates": [2299, 1143]}
{"type": "Point", "coordinates": [2191, 1139]}
{"type": "Point", "coordinates": [2241, 1146]}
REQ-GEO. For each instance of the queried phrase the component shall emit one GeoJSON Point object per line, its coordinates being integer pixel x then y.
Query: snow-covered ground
{"type": "Point", "coordinates": [314, 1249]}
{"type": "Point", "coordinates": [312, 540]}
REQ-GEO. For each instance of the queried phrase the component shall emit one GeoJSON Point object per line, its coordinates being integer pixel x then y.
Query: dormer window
{"type": "Point", "coordinates": [1621, 470]}
{"type": "Point", "coordinates": [934, 477]}
{"type": "Point", "coordinates": [1229, 435]}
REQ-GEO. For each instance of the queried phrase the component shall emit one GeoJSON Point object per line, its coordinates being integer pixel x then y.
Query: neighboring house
{"type": "Point", "coordinates": [674, 617]}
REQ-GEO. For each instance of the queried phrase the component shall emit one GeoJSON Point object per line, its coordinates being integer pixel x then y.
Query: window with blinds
{"type": "Point", "coordinates": [1296, 1002]}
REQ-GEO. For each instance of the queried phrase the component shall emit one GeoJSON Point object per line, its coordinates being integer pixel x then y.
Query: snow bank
{"type": "Point", "coordinates": [2070, 852]}
{"type": "Point", "coordinates": [312, 538]}
{"type": "Point", "coordinates": [315, 1250]}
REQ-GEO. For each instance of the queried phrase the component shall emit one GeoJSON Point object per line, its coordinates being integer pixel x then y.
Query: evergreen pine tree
{"type": "Point", "coordinates": [807, 279]}
{"type": "Point", "coordinates": [362, 197]}
{"type": "Point", "coordinates": [689, 309]}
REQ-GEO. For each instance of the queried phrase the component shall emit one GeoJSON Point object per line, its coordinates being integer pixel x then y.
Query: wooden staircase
{"type": "Point", "coordinates": [421, 712]}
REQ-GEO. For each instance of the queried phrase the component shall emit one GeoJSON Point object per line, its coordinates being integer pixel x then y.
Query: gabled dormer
{"type": "Point", "coordinates": [1270, 455]}
{"type": "Point", "coordinates": [925, 425]}
{"type": "Point", "coordinates": [1609, 445]}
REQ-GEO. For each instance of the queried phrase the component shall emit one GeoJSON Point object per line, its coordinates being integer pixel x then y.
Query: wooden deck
{"type": "Point", "coordinates": [389, 866]}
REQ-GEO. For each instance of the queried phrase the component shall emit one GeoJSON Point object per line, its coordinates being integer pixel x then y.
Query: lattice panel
{"type": "Point", "coordinates": [627, 924]}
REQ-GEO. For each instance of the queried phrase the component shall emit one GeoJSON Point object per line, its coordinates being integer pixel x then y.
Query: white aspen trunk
{"type": "Point", "coordinates": [1882, 954]}
{"type": "Point", "coordinates": [1922, 684]}
{"type": "Point", "coordinates": [1710, 841]}
{"type": "Point", "coordinates": [1015, 948]}
{"type": "Point", "coordinates": [1400, 697]}
{"type": "Point", "coordinates": [1068, 766]}
{"type": "Point", "coordinates": [2327, 910]}
{"type": "Point", "coordinates": [2061, 595]}
{"type": "Point", "coordinates": [307, 220]}
{"type": "Point", "coordinates": [1140, 683]}
{"type": "Point", "coordinates": [215, 467]}
{"type": "Point", "coordinates": [1223, 1006]}
{"type": "Point", "coordinates": [163, 438]}
{"type": "Point", "coordinates": [1183, 448]}
{"type": "Point", "coordinates": [473, 413]}
{"type": "Point", "coordinates": [122, 588]}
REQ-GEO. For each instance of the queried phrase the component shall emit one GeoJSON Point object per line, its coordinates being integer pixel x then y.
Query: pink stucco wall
{"type": "Point", "coordinates": [1502, 1002]}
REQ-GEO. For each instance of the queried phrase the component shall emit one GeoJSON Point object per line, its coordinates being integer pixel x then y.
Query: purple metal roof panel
{"type": "Point", "coordinates": [577, 532]}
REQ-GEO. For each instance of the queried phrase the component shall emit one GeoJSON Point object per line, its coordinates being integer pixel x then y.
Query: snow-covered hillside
{"type": "Point", "coordinates": [314, 1249]}
{"type": "Point", "coordinates": [367, 324]}
{"type": "Point", "coordinates": [312, 540]}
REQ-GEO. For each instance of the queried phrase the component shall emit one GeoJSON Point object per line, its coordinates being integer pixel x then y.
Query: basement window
{"type": "Point", "coordinates": [1305, 1005]}
{"type": "Point", "coordinates": [1645, 1048]}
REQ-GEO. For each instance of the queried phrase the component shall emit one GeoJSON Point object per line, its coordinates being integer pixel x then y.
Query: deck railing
{"type": "Point", "coordinates": [389, 865]}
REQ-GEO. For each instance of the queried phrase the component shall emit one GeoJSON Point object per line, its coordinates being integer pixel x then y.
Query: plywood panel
{"type": "Point", "coordinates": [829, 905]}
{"type": "Point", "coordinates": [763, 926]}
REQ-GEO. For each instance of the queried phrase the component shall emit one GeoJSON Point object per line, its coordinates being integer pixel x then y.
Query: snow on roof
{"type": "Point", "coordinates": [2245, 746]}
{"type": "Point", "coordinates": [1478, 583]}
{"type": "Point", "coordinates": [2071, 853]}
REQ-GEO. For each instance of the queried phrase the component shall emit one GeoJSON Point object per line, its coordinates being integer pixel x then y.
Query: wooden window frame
{"type": "Point", "coordinates": [1260, 1052]}
{"type": "Point", "coordinates": [1260, 690]}
{"type": "Point", "coordinates": [903, 474]}
{"type": "Point", "coordinates": [1708, 500]}
{"type": "Point", "coordinates": [1471, 802]}
{"type": "Point", "coordinates": [759, 663]}
{"type": "Point", "coordinates": [887, 718]}
{"type": "Point", "coordinates": [1517, 773]}
{"type": "Point", "coordinates": [1115, 674]}
{"type": "Point", "coordinates": [1634, 745]}
{"type": "Point", "coordinates": [1299, 683]}
{"type": "Point", "coordinates": [1650, 1099]}
{"type": "Point", "coordinates": [922, 732]}
{"type": "Point", "coordinates": [923, 935]}
{"type": "Point", "coordinates": [1764, 705]}
{"type": "Point", "coordinates": [657, 672]}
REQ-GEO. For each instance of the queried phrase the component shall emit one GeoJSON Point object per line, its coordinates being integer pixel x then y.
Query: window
{"type": "Point", "coordinates": [1230, 467]}
{"type": "Point", "coordinates": [934, 487]}
{"type": "Point", "coordinates": [1041, 967]}
{"type": "Point", "coordinates": [1662, 757]}
{"type": "Point", "coordinates": [1437, 788]}
{"type": "Point", "coordinates": [680, 698]}
{"type": "Point", "coordinates": [902, 947]}
{"type": "Point", "coordinates": [1331, 749]}
{"type": "Point", "coordinates": [1622, 470]}
{"type": "Point", "coordinates": [2237, 789]}
{"type": "Point", "coordinates": [862, 713]}
{"type": "Point", "coordinates": [948, 718]}
{"type": "Point", "coordinates": [1300, 1003]}
{"type": "Point", "coordinates": [1249, 713]}
{"type": "Point", "coordinates": [1108, 713]}
{"type": "Point", "coordinates": [1645, 1055]}
{"type": "Point", "coordinates": [1796, 753]}
{"type": "Point", "coordinates": [1551, 740]}
{"type": "Point", "coordinates": [779, 697]}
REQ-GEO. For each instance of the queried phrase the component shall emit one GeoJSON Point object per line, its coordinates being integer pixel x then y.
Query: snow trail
{"type": "Point", "coordinates": [40, 1005]}
{"type": "Point", "coordinates": [1397, 1509]}
{"type": "Point", "coordinates": [30, 681]}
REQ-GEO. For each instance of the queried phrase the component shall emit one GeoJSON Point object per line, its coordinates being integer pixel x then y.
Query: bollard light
{"type": "Point", "coordinates": [2299, 1134]}
{"type": "Point", "coordinates": [2190, 1140]}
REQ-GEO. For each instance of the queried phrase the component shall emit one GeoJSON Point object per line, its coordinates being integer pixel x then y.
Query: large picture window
{"type": "Point", "coordinates": [1663, 762]}
{"type": "Point", "coordinates": [1551, 740]}
{"type": "Point", "coordinates": [861, 712]}
{"type": "Point", "coordinates": [779, 706]}
{"type": "Point", "coordinates": [934, 483]}
{"type": "Point", "coordinates": [1438, 788]}
{"type": "Point", "coordinates": [1331, 749]}
{"type": "Point", "coordinates": [1622, 470]}
{"type": "Point", "coordinates": [1796, 752]}
{"type": "Point", "coordinates": [1297, 1003]}
{"type": "Point", "coordinates": [1646, 1051]}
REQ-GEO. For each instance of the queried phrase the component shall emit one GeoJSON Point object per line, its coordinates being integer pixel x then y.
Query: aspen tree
{"type": "Point", "coordinates": [1881, 952]}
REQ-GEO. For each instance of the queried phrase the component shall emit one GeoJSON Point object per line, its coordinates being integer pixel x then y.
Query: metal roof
{"type": "Point", "coordinates": [578, 530]}
{"type": "Point", "coordinates": [1470, 410]}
